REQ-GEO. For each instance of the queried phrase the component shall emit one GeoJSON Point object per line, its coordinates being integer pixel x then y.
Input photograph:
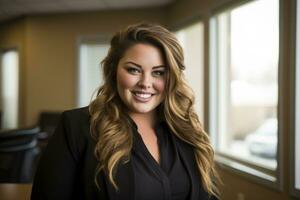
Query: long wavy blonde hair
{"type": "Point", "coordinates": [110, 125]}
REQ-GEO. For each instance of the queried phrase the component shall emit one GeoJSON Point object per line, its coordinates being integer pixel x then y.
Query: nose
{"type": "Point", "coordinates": [145, 81]}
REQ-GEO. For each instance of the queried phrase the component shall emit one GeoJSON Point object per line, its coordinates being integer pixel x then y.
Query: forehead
{"type": "Point", "coordinates": [145, 55]}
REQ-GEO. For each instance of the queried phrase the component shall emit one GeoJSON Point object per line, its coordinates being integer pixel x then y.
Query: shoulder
{"type": "Point", "coordinates": [78, 118]}
{"type": "Point", "coordinates": [77, 114]}
{"type": "Point", "coordinates": [75, 126]}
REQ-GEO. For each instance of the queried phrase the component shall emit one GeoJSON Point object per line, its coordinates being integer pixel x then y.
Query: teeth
{"type": "Point", "coordinates": [143, 95]}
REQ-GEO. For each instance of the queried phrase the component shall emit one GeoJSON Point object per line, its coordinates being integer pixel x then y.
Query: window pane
{"type": "Point", "coordinates": [191, 39]}
{"type": "Point", "coordinates": [247, 89]}
{"type": "Point", "coordinates": [9, 96]}
{"type": "Point", "coordinates": [90, 74]}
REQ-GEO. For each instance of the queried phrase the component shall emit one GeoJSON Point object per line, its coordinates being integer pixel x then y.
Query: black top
{"type": "Point", "coordinates": [154, 181]}
{"type": "Point", "coordinates": [67, 167]}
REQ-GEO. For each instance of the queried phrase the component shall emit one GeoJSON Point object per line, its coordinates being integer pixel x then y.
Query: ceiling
{"type": "Point", "coordinates": [10, 9]}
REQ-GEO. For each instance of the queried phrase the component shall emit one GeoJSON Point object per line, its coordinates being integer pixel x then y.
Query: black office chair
{"type": "Point", "coordinates": [48, 121]}
{"type": "Point", "coordinates": [19, 155]}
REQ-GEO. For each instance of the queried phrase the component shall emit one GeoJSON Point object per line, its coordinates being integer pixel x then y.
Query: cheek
{"type": "Point", "coordinates": [125, 81]}
{"type": "Point", "coordinates": [160, 85]}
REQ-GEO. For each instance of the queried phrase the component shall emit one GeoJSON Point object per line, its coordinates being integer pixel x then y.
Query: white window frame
{"type": "Point", "coordinates": [231, 163]}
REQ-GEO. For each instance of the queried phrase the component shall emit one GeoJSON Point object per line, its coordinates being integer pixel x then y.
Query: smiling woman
{"type": "Point", "coordinates": [140, 138]}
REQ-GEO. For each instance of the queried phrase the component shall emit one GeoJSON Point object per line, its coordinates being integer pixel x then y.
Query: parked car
{"type": "Point", "coordinates": [263, 141]}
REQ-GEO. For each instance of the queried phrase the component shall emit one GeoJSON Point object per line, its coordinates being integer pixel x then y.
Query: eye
{"type": "Point", "coordinates": [132, 70]}
{"type": "Point", "coordinates": [158, 73]}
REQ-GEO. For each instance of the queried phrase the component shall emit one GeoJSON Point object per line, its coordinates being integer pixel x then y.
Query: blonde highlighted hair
{"type": "Point", "coordinates": [110, 125]}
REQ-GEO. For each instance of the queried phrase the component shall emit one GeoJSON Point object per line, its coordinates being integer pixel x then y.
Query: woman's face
{"type": "Point", "coordinates": [141, 77]}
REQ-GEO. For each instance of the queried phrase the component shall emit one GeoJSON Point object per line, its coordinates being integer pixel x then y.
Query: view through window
{"type": "Point", "coordinates": [246, 88]}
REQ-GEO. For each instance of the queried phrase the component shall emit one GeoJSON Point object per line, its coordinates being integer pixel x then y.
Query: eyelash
{"type": "Point", "coordinates": [133, 70]}
{"type": "Point", "coordinates": [158, 73]}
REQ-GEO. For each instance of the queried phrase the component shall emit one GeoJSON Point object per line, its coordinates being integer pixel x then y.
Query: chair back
{"type": "Point", "coordinates": [19, 154]}
{"type": "Point", "coordinates": [48, 121]}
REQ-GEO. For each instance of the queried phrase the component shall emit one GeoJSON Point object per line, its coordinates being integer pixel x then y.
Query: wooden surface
{"type": "Point", "coordinates": [9, 191]}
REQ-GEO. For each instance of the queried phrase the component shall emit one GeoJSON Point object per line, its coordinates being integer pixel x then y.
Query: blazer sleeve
{"type": "Point", "coordinates": [56, 173]}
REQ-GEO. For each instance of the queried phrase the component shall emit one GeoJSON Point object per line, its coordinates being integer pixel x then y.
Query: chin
{"type": "Point", "coordinates": [142, 110]}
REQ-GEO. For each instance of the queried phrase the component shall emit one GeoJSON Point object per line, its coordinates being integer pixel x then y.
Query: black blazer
{"type": "Point", "coordinates": [67, 167]}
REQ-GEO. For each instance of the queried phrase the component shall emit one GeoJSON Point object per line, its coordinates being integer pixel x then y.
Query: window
{"type": "Point", "coordinates": [91, 53]}
{"type": "Point", "coordinates": [244, 87]}
{"type": "Point", "coordinates": [191, 39]}
{"type": "Point", "coordinates": [9, 89]}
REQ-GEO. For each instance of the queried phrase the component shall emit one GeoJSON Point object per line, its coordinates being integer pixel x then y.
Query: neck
{"type": "Point", "coordinates": [144, 119]}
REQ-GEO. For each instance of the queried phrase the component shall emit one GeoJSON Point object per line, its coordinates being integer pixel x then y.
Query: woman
{"type": "Point", "coordinates": [140, 138]}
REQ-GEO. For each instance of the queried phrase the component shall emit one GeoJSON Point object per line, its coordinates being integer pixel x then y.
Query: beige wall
{"type": "Point", "coordinates": [185, 11]}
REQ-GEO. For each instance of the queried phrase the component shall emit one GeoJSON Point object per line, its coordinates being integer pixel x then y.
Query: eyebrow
{"type": "Point", "coordinates": [137, 65]}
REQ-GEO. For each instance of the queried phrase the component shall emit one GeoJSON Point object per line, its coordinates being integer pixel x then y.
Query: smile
{"type": "Point", "coordinates": [142, 96]}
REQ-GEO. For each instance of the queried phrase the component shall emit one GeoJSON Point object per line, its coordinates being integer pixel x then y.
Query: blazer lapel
{"type": "Point", "coordinates": [125, 182]}
{"type": "Point", "coordinates": [187, 155]}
